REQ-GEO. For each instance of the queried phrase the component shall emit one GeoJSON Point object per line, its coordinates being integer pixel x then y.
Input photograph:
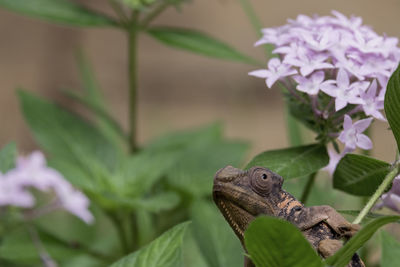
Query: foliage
{"type": "Point", "coordinates": [141, 193]}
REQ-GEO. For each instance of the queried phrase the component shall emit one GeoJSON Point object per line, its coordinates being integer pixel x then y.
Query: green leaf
{"type": "Point", "coordinates": [293, 162]}
{"type": "Point", "coordinates": [354, 213]}
{"type": "Point", "coordinates": [390, 250]}
{"type": "Point", "coordinates": [8, 156]}
{"type": "Point", "coordinates": [215, 238]}
{"type": "Point", "coordinates": [138, 4]}
{"type": "Point", "coordinates": [141, 171]}
{"type": "Point", "coordinates": [59, 11]}
{"type": "Point", "coordinates": [165, 251]}
{"type": "Point", "coordinates": [198, 42]}
{"type": "Point", "coordinates": [65, 135]}
{"type": "Point", "coordinates": [272, 242]}
{"type": "Point", "coordinates": [344, 255]}
{"type": "Point", "coordinates": [359, 175]}
{"type": "Point", "coordinates": [155, 203]}
{"type": "Point", "coordinates": [392, 104]}
{"type": "Point", "coordinates": [93, 100]}
{"type": "Point", "coordinates": [184, 139]}
{"type": "Point", "coordinates": [194, 171]}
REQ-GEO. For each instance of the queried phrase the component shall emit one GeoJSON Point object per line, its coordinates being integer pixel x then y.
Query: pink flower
{"type": "Point", "coordinates": [276, 70]}
{"type": "Point", "coordinates": [330, 64]}
{"type": "Point", "coordinates": [391, 199]}
{"type": "Point", "coordinates": [371, 102]}
{"type": "Point", "coordinates": [13, 194]}
{"type": "Point", "coordinates": [310, 85]}
{"type": "Point", "coordinates": [32, 172]}
{"type": "Point", "coordinates": [343, 91]}
{"type": "Point", "coordinates": [352, 135]}
{"type": "Point", "coordinates": [334, 159]}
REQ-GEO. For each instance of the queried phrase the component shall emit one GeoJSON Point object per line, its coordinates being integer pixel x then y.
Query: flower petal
{"type": "Point", "coordinates": [364, 142]}
{"type": "Point", "coordinates": [262, 73]}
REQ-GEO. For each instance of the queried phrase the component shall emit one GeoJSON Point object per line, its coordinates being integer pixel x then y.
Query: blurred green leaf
{"type": "Point", "coordinates": [354, 213]}
{"type": "Point", "coordinates": [8, 155]}
{"type": "Point", "coordinates": [92, 99]}
{"type": "Point", "coordinates": [165, 251]}
{"type": "Point", "coordinates": [392, 104]}
{"type": "Point", "coordinates": [359, 175]}
{"type": "Point", "coordinates": [390, 250]}
{"type": "Point", "coordinates": [272, 242]}
{"type": "Point", "coordinates": [138, 4]}
{"type": "Point", "coordinates": [141, 171]}
{"type": "Point", "coordinates": [66, 135]}
{"type": "Point", "coordinates": [158, 202]}
{"type": "Point", "coordinates": [293, 162]}
{"type": "Point", "coordinates": [344, 255]}
{"type": "Point", "coordinates": [215, 238]}
{"type": "Point", "coordinates": [195, 170]}
{"type": "Point", "coordinates": [199, 43]}
{"type": "Point", "coordinates": [17, 246]}
{"type": "Point", "coordinates": [293, 128]}
{"type": "Point", "coordinates": [154, 203]}
{"type": "Point", "coordinates": [183, 139]}
{"type": "Point", "coordinates": [59, 11]}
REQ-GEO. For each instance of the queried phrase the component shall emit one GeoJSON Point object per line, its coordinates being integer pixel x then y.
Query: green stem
{"type": "Point", "coordinates": [308, 187]}
{"type": "Point", "coordinates": [119, 11]}
{"type": "Point", "coordinates": [256, 23]}
{"type": "Point", "coordinates": [381, 189]}
{"type": "Point", "coordinates": [251, 14]}
{"type": "Point", "coordinates": [121, 232]}
{"type": "Point", "coordinates": [155, 12]}
{"type": "Point", "coordinates": [133, 31]}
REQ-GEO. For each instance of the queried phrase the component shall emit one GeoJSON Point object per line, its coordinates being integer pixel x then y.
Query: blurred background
{"type": "Point", "coordinates": [177, 89]}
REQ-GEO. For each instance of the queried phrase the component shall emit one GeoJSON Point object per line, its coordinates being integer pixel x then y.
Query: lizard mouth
{"type": "Point", "coordinates": [237, 217]}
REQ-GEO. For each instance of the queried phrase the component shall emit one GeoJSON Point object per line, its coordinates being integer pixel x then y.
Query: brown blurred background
{"type": "Point", "coordinates": [177, 89]}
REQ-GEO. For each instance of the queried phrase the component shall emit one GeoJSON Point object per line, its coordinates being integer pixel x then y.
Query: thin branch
{"type": "Point", "coordinates": [118, 9]}
{"type": "Point", "coordinates": [44, 255]}
{"type": "Point", "coordinates": [154, 13]}
{"type": "Point", "coordinates": [381, 189]}
{"type": "Point", "coordinates": [308, 187]}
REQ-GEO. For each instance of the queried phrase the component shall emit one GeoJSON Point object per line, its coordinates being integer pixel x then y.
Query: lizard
{"type": "Point", "coordinates": [242, 195]}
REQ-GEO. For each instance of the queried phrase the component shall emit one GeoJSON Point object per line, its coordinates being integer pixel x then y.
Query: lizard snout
{"type": "Point", "coordinates": [227, 174]}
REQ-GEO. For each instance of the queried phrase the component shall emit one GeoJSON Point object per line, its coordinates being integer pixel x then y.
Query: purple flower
{"type": "Point", "coordinates": [334, 159]}
{"type": "Point", "coordinates": [276, 70]}
{"type": "Point", "coordinates": [391, 199]}
{"type": "Point", "coordinates": [12, 194]}
{"type": "Point", "coordinates": [371, 102]}
{"type": "Point", "coordinates": [32, 172]}
{"type": "Point", "coordinates": [344, 92]}
{"type": "Point", "coordinates": [310, 85]}
{"type": "Point", "coordinates": [329, 63]}
{"type": "Point", "coordinates": [308, 62]}
{"type": "Point", "coordinates": [352, 135]}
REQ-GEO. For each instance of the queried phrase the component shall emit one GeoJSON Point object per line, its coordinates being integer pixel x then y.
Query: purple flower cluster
{"type": "Point", "coordinates": [335, 58]}
{"type": "Point", "coordinates": [32, 172]}
{"type": "Point", "coordinates": [391, 199]}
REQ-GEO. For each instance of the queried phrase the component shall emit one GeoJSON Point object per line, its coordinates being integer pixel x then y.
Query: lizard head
{"type": "Point", "coordinates": [243, 195]}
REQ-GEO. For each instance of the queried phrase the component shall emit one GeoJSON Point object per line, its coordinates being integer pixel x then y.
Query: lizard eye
{"type": "Point", "coordinates": [261, 182]}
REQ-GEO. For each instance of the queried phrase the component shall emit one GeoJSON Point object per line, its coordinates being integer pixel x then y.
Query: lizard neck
{"type": "Point", "coordinates": [284, 203]}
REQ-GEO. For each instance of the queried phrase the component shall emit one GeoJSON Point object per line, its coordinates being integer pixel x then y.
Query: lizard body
{"type": "Point", "coordinates": [243, 195]}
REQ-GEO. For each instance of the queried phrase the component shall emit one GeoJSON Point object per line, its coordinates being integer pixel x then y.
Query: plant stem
{"type": "Point", "coordinates": [155, 12]}
{"type": "Point", "coordinates": [133, 31]}
{"type": "Point", "coordinates": [256, 23]}
{"type": "Point", "coordinates": [44, 255]}
{"type": "Point", "coordinates": [308, 187]}
{"type": "Point", "coordinates": [119, 11]}
{"type": "Point", "coordinates": [121, 232]}
{"type": "Point", "coordinates": [382, 187]}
